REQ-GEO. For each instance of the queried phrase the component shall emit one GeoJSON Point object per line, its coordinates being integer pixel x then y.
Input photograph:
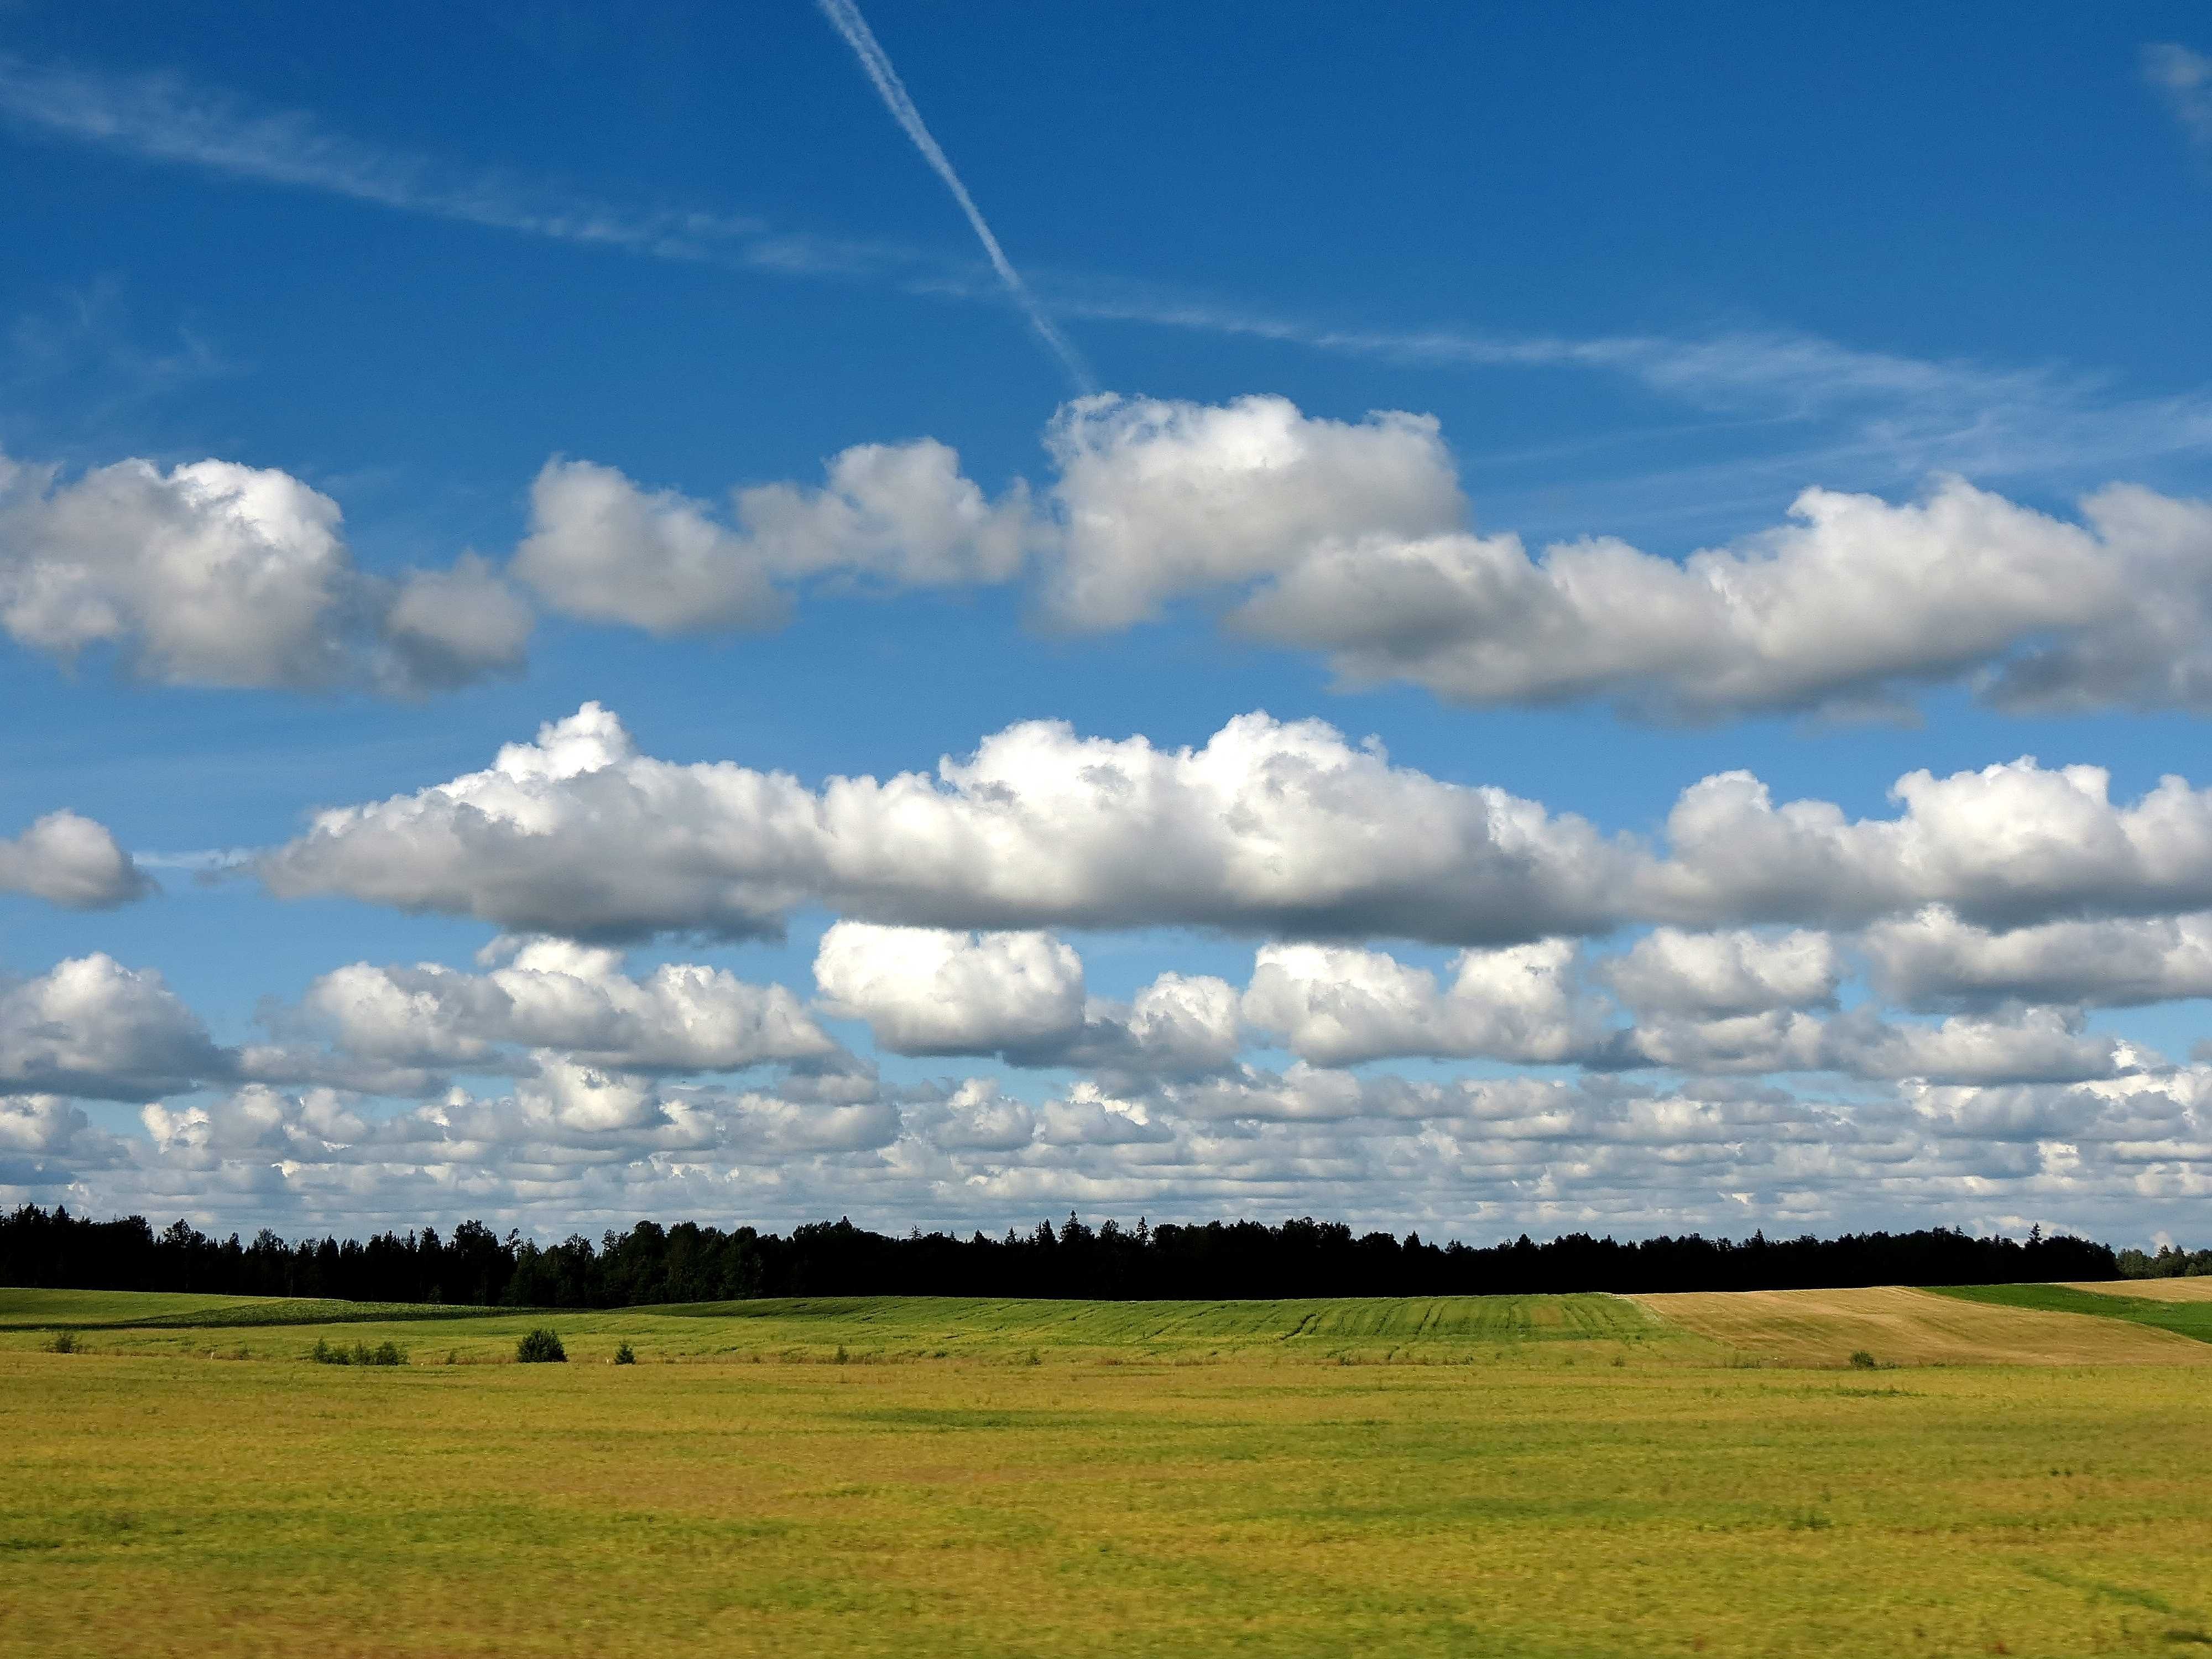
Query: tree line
{"type": "Point", "coordinates": [689, 1262]}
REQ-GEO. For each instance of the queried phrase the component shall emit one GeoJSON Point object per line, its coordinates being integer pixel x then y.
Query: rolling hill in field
{"type": "Point", "coordinates": [2133, 1323]}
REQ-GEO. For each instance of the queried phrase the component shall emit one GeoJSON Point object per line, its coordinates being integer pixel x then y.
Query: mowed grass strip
{"type": "Point", "coordinates": [2190, 1318]}
{"type": "Point", "coordinates": [1899, 1327]}
{"type": "Point", "coordinates": [43, 1310]}
{"type": "Point", "coordinates": [1530, 1508]}
{"type": "Point", "coordinates": [1355, 1330]}
{"type": "Point", "coordinates": [2198, 1289]}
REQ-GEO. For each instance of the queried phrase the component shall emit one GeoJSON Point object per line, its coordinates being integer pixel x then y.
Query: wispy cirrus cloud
{"type": "Point", "coordinates": [1825, 408]}
{"type": "Point", "coordinates": [2183, 79]}
{"type": "Point", "coordinates": [165, 117]}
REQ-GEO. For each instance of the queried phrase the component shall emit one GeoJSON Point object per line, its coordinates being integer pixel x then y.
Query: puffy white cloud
{"type": "Point", "coordinates": [901, 513]}
{"type": "Point", "coordinates": [36, 1128]}
{"type": "Point", "coordinates": [2027, 1045]}
{"type": "Point", "coordinates": [1180, 1025]}
{"type": "Point", "coordinates": [926, 991]}
{"type": "Point", "coordinates": [978, 1116]}
{"type": "Point", "coordinates": [70, 861]}
{"type": "Point", "coordinates": [1269, 828]}
{"type": "Point", "coordinates": [603, 548]}
{"type": "Point", "coordinates": [1337, 1004]}
{"type": "Point", "coordinates": [1021, 995]}
{"type": "Point", "coordinates": [1351, 538]}
{"type": "Point", "coordinates": [1090, 1116]}
{"type": "Point", "coordinates": [554, 995]}
{"type": "Point", "coordinates": [2008, 843]}
{"type": "Point", "coordinates": [91, 1027]}
{"type": "Point", "coordinates": [215, 574]}
{"type": "Point", "coordinates": [1933, 959]}
{"type": "Point", "coordinates": [1162, 499]}
{"type": "Point", "coordinates": [1854, 600]}
{"type": "Point", "coordinates": [1711, 975]}
{"type": "Point", "coordinates": [446, 628]}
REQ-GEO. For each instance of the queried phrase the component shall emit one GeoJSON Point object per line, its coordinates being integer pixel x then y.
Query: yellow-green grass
{"type": "Point", "coordinates": [2198, 1289]}
{"type": "Point", "coordinates": [1892, 1325]}
{"type": "Point", "coordinates": [1543, 1501]}
{"type": "Point", "coordinates": [88, 1311]}
{"type": "Point", "coordinates": [2190, 1319]}
{"type": "Point", "coordinates": [869, 1329]}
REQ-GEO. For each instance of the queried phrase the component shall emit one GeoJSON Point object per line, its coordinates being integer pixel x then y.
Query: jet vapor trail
{"type": "Point", "coordinates": [854, 27]}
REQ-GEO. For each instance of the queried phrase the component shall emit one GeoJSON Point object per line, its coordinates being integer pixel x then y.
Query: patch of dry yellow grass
{"type": "Point", "coordinates": [1524, 1506]}
{"type": "Point", "coordinates": [2151, 1290]}
{"type": "Point", "coordinates": [1913, 1328]}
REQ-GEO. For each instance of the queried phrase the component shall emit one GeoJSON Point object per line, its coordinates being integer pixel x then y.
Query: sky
{"type": "Point", "coordinates": [1475, 620]}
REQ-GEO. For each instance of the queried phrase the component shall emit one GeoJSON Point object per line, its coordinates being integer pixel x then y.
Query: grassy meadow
{"type": "Point", "coordinates": [1510, 1476]}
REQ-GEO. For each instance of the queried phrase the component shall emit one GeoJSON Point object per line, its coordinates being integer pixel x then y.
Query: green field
{"type": "Point", "coordinates": [1516, 1476]}
{"type": "Point", "coordinates": [869, 1329]}
{"type": "Point", "coordinates": [2190, 1319]}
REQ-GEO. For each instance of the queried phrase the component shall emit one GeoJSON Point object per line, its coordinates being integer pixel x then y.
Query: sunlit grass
{"type": "Point", "coordinates": [1551, 1479]}
{"type": "Point", "coordinates": [2191, 1317]}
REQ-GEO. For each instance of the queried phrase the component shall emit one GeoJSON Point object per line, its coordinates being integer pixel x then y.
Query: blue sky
{"type": "Point", "coordinates": [526, 293]}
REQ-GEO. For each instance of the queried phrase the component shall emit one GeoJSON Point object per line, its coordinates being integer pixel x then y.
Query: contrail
{"type": "Point", "coordinates": [854, 27]}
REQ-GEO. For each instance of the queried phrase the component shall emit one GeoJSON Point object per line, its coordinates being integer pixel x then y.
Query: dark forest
{"type": "Point", "coordinates": [689, 1262]}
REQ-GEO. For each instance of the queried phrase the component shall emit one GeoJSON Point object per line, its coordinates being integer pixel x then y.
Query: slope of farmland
{"type": "Point", "coordinates": [1358, 1329]}
{"type": "Point", "coordinates": [2198, 1289]}
{"type": "Point", "coordinates": [1898, 1326]}
{"type": "Point", "coordinates": [1545, 1504]}
{"type": "Point", "coordinates": [24, 1310]}
{"type": "Point", "coordinates": [2188, 1318]}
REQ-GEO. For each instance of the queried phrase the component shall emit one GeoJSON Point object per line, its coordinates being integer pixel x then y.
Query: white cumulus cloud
{"type": "Point", "coordinates": [603, 548]}
{"type": "Point", "coordinates": [215, 574]}
{"type": "Point", "coordinates": [554, 995]}
{"type": "Point", "coordinates": [90, 1026]}
{"type": "Point", "coordinates": [1269, 828]}
{"type": "Point", "coordinates": [71, 861]}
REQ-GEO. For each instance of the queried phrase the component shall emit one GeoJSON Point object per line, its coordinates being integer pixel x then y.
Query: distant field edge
{"type": "Point", "coordinates": [2118, 1303]}
{"type": "Point", "coordinates": [1900, 1325]}
{"type": "Point", "coordinates": [28, 1308]}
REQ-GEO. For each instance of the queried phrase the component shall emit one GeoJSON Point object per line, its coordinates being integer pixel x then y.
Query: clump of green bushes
{"type": "Point", "coordinates": [625, 1355]}
{"type": "Point", "coordinates": [541, 1347]}
{"type": "Point", "coordinates": [62, 1342]}
{"type": "Point", "coordinates": [384, 1353]}
{"type": "Point", "coordinates": [1863, 1361]}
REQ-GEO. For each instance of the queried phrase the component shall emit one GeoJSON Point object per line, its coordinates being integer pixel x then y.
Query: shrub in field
{"type": "Point", "coordinates": [625, 1355]}
{"type": "Point", "coordinates": [1863, 1361]}
{"type": "Point", "coordinates": [385, 1353]}
{"type": "Point", "coordinates": [62, 1342]}
{"type": "Point", "coordinates": [541, 1347]}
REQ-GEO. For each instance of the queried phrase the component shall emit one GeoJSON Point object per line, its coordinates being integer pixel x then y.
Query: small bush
{"type": "Point", "coordinates": [385, 1353]}
{"type": "Point", "coordinates": [625, 1355]}
{"type": "Point", "coordinates": [1863, 1361]}
{"type": "Point", "coordinates": [541, 1347]}
{"type": "Point", "coordinates": [62, 1342]}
